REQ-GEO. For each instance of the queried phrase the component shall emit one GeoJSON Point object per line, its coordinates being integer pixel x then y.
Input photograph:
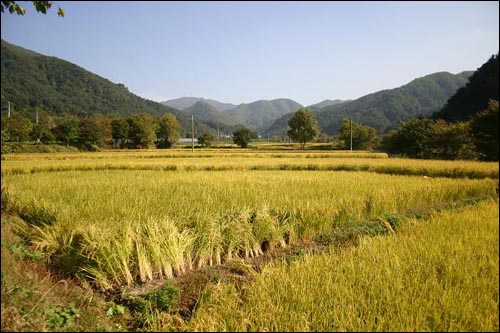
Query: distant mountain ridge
{"type": "Point", "coordinates": [385, 109]}
{"type": "Point", "coordinates": [325, 103]}
{"type": "Point", "coordinates": [255, 115]}
{"type": "Point", "coordinates": [260, 113]}
{"type": "Point", "coordinates": [185, 102]}
{"type": "Point", "coordinates": [208, 114]}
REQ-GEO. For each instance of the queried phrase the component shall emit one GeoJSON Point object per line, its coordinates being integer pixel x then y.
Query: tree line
{"type": "Point", "coordinates": [473, 139]}
{"type": "Point", "coordinates": [91, 133]}
{"type": "Point", "coordinates": [141, 130]}
{"type": "Point", "coordinates": [476, 138]}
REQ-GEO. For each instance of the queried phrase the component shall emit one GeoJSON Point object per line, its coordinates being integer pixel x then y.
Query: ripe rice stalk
{"type": "Point", "coordinates": [237, 234]}
{"type": "Point", "coordinates": [111, 253]}
{"type": "Point", "coordinates": [143, 261]}
{"type": "Point", "coordinates": [111, 213]}
{"type": "Point", "coordinates": [266, 230]}
{"type": "Point", "coordinates": [152, 238]}
{"type": "Point", "coordinates": [208, 243]}
{"type": "Point", "coordinates": [175, 246]}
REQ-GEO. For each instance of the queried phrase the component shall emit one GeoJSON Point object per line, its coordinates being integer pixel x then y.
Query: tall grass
{"type": "Point", "coordinates": [436, 275]}
{"type": "Point", "coordinates": [120, 227]}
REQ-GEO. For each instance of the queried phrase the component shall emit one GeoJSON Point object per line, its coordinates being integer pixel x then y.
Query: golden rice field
{"type": "Point", "coordinates": [209, 160]}
{"type": "Point", "coordinates": [117, 219]}
{"type": "Point", "coordinates": [439, 275]}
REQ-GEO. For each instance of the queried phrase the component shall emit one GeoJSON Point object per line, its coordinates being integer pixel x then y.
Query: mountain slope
{"type": "Point", "coordinates": [30, 79]}
{"type": "Point", "coordinates": [385, 109]}
{"type": "Point", "coordinates": [259, 114]}
{"type": "Point", "coordinates": [185, 102]}
{"type": "Point", "coordinates": [483, 85]}
{"type": "Point", "coordinates": [208, 114]}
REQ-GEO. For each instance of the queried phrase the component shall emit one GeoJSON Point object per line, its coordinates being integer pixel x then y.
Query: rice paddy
{"type": "Point", "coordinates": [438, 275]}
{"type": "Point", "coordinates": [213, 160]}
{"type": "Point", "coordinates": [121, 219]}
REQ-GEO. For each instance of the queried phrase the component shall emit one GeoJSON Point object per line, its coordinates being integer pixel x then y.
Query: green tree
{"type": "Point", "coordinates": [363, 137]}
{"type": "Point", "coordinates": [303, 127]}
{"type": "Point", "coordinates": [485, 133]}
{"type": "Point", "coordinates": [92, 132]}
{"type": "Point", "coordinates": [119, 130]}
{"type": "Point", "coordinates": [168, 131]}
{"type": "Point", "coordinates": [449, 141]}
{"type": "Point", "coordinates": [323, 138]}
{"type": "Point", "coordinates": [16, 128]}
{"type": "Point", "coordinates": [425, 138]}
{"type": "Point", "coordinates": [40, 6]}
{"type": "Point", "coordinates": [66, 130]}
{"type": "Point", "coordinates": [410, 139]}
{"type": "Point", "coordinates": [143, 127]}
{"type": "Point", "coordinates": [243, 136]}
{"type": "Point", "coordinates": [390, 142]}
{"type": "Point", "coordinates": [206, 140]}
{"type": "Point", "coordinates": [5, 129]}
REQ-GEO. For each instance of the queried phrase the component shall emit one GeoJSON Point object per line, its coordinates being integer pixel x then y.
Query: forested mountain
{"type": "Point", "coordinates": [255, 115]}
{"type": "Point", "coordinates": [30, 79]}
{"type": "Point", "coordinates": [466, 128]}
{"type": "Point", "coordinates": [259, 114]}
{"type": "Point", "coordinates": [208, 114]}
{"type": "Point", "coordinates": [279, 126]}
{"type": "Point", "coordinates": [325, 103]}
{"type": "Point", "coordinates": [474, 97]}
{"type": "Point", "coordinates": [185, 102]}
{"type": "Point", "coordinates": [385, 109]}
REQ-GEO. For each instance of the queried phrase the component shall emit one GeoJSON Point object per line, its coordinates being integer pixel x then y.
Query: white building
{"type": "Point", "coordinates": [186, 140]}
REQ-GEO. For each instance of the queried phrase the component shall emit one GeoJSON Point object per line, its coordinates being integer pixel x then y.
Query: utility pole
{"type": "Point", "coordinates": [350, 122]}
{"type": "Point", "coordinates": [192, 134]}
{"type": "Point", "coordinates": [9, 109]}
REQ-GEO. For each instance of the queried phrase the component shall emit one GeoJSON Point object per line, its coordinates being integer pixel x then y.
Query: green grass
{"type": "Point", "coordinates": [435, 275]}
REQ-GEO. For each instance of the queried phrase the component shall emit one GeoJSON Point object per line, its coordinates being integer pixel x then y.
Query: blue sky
{"type": "Point", "coordinates": [239, 52]}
